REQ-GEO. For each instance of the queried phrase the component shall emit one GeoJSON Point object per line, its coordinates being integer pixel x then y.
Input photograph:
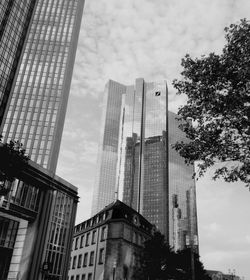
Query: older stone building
{"type": "Point", "coordinates": [108, 245]}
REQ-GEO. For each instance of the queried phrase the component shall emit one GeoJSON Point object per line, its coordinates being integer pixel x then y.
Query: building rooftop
{"type": "Point", "coordinates": [116, 210]}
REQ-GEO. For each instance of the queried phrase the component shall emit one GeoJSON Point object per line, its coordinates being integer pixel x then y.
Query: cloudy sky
{"type": "Point", "coordinates": [126, 39]}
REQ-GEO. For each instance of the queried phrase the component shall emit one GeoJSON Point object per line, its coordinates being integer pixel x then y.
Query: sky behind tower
{"type": "Point", "coordinates": [124, 40]}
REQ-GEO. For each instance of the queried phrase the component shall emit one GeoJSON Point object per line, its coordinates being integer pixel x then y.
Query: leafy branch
{"type": "Point", "coordinates": [12, 161]}
{"type": "Point", "coordinates": [218, 103]}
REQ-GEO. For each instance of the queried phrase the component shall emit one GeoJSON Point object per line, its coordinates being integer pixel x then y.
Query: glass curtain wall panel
{"type": "Point", "coordinates": [15, 16]}
{"type": "Point", "coordinates": [58, 235]}
{"type": "Point", "coordinates": [183, 230]}
{"type": "Point", "coordinates": [139, 165]}
{"type": "Point", "coordinates": [40, 90]}
{"type": "Point", "coordinates": [106, 175]}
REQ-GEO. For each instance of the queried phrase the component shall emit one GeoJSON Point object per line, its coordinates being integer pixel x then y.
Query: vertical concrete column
{"type": "Point", "coordinates": [18, 250]}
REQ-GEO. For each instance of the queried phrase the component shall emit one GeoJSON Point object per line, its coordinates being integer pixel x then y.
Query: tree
{"type": "Point", "coordinates": [218, 92]}
{"type": "Point", "coordinates": [12, 162]}
{"type": "Point", "coordinates": [160, 262]}
{"type": "Point", "coordinates": [155, 255]}
{"type": "Point", "coordinates": [184, 263]}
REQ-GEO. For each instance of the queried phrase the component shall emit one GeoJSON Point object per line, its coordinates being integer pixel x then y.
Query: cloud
{"type": "Point", "coordinates": [212, 228]}
{"type": "Point", "coordinates": [223, 231]}
{"type": "Point", "coordinates": [123, 40]}
{"type": "Point", "coordinates": [248, 239]}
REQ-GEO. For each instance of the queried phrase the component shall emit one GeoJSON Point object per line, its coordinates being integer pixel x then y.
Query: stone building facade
{"type": "Point", "coordinates": [108, 245]}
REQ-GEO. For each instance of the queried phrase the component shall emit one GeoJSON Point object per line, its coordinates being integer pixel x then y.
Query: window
{"type": "Point", "coordinates": [76, 243]}
{"type": "Point", "coordinates": [8, 232]}
{"type": "Point", "coordinates": [83, 226]}
{"type": "Point", "coordinates": [74, 262]}
{"type": "Point", "coordinates": [72, 277]}
{"type": "Point", "coordinates": [93, 236]}
{"type": "Point", "coordinates": [79, 264]}
{"type": "Point", "coordinates": [87, 239]}
{"type": "Point", "coordinates": [101, 256]}
{"type": "Point", "coordinates": [78, 277]}
{"type": "Point", "coordinates": [91, 258]}
{"type": "Point", "coordinates": [69, 263]}
{"type": "Point", "coordinates": [105, 215]}
{"type": "Point", "coordinates": [100, 217]}
{"type": "Point", "coordinates": [90, 276]}
{"type": "Point", "coordinates": [83, 277]}
{"type": "Point", "coordinates": [139, 239]}
{"type": "Point", "coordinates": [85, 259]}
{"type": "Point", "coordinates": [81, 241]}
{"type": "Point", "coordinates": [103, 233]}
{"type": "Point", "coordinates": [135, 237]}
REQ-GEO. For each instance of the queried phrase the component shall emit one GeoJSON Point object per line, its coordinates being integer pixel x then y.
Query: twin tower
{"type": "Point", "coordinates": [137, 164]}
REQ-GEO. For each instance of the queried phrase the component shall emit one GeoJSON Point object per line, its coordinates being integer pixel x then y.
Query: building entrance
{"type": "Point", "coordinates": [5, 258]}
{"type": "Point", "coordinates": [8, 232]}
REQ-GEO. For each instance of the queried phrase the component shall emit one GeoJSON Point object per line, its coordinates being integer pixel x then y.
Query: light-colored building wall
{"type": "Point", "coordinates": [119, 233]}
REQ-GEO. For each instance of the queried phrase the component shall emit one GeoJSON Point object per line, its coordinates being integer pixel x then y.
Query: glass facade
{"type": "Point", "coordinates": [154, 192]}
{"type": "Point", "coordinates": [136, 161]}
{"type": "Point", "coordinates": [60, 228]}
{"type": "Point", "coordinates": [22, 194]}
{"type": "Point", "coordinates": [104, 191]}
{"type": "Point", "coordinates": [8, 233]}
{"type": "Point", "coordinates": [15, 16]}
{"type": "Point", "coordinates": [182, 193]}
{"type": "Point", "coordinates": [41, 87]}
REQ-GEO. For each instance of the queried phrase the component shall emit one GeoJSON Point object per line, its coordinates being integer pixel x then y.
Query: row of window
{"type": "Point", "coordinates": [25, 195]}
{"type": "Point", "coordinates": [89, 237]}
{"type": "Point", "coordinates": [87, 260]}
{"type": "Point", "coordinates": [91, 222]}
{"type": "Point", "coordinates": [57, 244]}
{"type": "Point", "coordinates": [11, 38]}
{"type": "Point", "coordinates": [83, 277]}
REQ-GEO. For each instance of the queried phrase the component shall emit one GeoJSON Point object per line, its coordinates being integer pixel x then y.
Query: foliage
{"type": "Point", "coordinates": [12, 162]}
{"type": "Point", "coordinates": [218, 92]}
{"type": "Point", "coordinates": [184, 262]}
{"type": "Point", "coordinates": [160, 262]}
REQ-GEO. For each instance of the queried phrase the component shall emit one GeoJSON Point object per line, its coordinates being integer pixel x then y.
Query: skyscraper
{"type": "Point", "coordinates": [136, 161]}
{"type": "Point", "coordinates": [38, 41]}
{"type": "Point", "coordinates": [15, 17]}
{"type": "Point", "coordinates": [39, 92]}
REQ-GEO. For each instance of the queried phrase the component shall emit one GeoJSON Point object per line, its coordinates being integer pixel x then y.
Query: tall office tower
{"type": "Point", "coordinates": [15, 17]}
{"type": "Point", "coordinates": [136, 160]}
{"type": "Point", "coordinates": [39, 93]}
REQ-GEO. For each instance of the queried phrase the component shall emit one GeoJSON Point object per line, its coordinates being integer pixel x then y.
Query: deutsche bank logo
{"type": "Point", "coordinates": [157, 93]}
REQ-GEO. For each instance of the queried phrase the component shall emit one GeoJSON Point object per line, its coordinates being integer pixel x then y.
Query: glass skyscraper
{"type": "Point", "coordinates": [15, 17]}
{"type": "Point", "coordinates": [39, 92]}
{"type": "Point", "coordinates": [136, 161]}
{"type": "Point", "coordinates": [38, 40]}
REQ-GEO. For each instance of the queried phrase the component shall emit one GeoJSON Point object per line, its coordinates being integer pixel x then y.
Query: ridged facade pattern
{"type": "Point", "coordinates": [15, 16]}
{"type": "Point", "coordinates": [136, 161]}
{"type": "Point", "coordinates": [40, 90]}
